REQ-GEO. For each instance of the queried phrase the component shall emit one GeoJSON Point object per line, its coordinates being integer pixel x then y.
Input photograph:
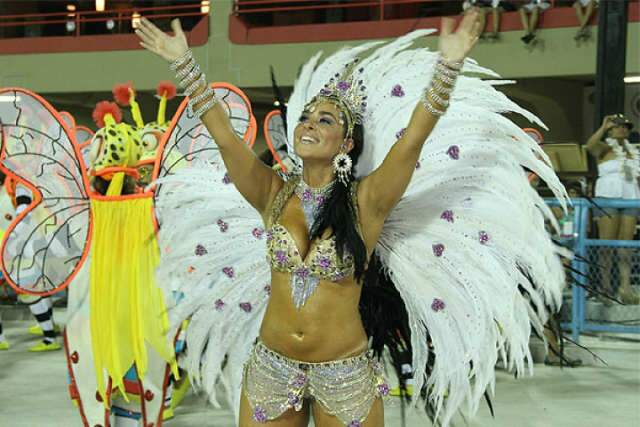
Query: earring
{"type": "Point", "coordinates": [342, 166]}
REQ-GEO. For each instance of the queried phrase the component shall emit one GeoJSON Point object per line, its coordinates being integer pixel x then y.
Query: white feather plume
{"type": "Point", "coordinates": [486, 190]}
{"type": "Point", "coordinates": [466, 246]}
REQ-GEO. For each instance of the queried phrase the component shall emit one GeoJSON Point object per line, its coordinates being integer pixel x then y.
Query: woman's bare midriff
{"type": "Point", "coordinates": [328, 327]}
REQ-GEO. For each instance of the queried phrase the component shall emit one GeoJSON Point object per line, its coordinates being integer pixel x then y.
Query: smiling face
{"type": "Point", "coordinates": [320, 133]}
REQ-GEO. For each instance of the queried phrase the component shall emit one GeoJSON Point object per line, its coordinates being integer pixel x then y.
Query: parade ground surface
{"type": "Point", "coordinates": [34, 392]}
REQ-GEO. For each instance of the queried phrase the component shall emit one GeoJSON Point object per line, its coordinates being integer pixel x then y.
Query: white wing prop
{"type": "Point", "coordinates": [83, 135]}
{"type": "Point", "coordinates": [44, 247]}
{"type": "Point", "coordinates": [466, 246]}
{"type": "Point", "coordinates": [213, 248]}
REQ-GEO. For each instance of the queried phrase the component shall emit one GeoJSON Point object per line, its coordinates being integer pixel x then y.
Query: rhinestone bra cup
{"type": "Point", "coordinates": [322, 261]}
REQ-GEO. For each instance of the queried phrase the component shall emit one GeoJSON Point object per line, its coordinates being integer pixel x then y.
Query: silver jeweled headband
{"type": "Point", "coordinates": [348, 92]}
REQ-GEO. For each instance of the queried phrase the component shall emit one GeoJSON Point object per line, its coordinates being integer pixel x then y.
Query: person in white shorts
{"type": "Point", "coordinates": [618, 175]}
{"type": "Point", "coordinates": [584, 12]}
{"type": "Point", "coordinates": [530, 15]}
{"type": "Point", "coordinates": [487, 6]}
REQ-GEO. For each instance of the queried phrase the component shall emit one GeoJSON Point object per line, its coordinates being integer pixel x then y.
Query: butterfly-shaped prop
{"type": "Point", "coordinates": [83, 134]}
{"type": "Point", "coordinates": [72, 234]}
{"type": "Point", "coordinates": [275, 134]}
{"type": "Point", "coordinates": [41, 148]}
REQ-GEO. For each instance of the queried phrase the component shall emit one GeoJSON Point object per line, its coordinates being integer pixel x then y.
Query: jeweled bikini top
{"type": "Point", "coordinates": [321, 262]}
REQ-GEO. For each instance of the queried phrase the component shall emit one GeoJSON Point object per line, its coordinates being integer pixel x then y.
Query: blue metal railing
{"type": "Point", "coordinates": [581, 244]}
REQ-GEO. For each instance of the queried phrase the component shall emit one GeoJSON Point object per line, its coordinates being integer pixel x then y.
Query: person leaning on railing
{"type": "Point", "coordinates": [618, 174]}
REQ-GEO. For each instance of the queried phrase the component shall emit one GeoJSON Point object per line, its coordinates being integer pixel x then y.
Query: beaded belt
{"type": "Point", "coordinates": [345, 388]}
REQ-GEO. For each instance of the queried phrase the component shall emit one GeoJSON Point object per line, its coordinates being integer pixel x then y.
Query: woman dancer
{"type": "Point", "coordinates": [323, 225]}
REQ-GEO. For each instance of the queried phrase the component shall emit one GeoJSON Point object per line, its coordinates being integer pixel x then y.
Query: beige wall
{"type": "Point", "coordinates": [546, 76]}
{"type": "Point", "coordinates": [248, 65]}
{"type": "Point", "coordinates": [558, 102]}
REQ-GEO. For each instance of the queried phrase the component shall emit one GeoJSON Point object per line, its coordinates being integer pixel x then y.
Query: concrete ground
{"type": "Point", "coordinates": [33, 392]}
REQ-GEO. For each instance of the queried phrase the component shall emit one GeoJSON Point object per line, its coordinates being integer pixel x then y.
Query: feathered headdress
{"type": "Point", "coordinates": [348, 91]}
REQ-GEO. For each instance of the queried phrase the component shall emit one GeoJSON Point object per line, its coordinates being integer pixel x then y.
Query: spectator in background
{"type": "Point", "coordinates": [618, 175]}
{"type": "Point", "coordinates": [584, 11]}
{"type": "Point", "coordinates": [530, 15]}
{"type": "Point", "coordinates": [566, 221]}
{"type": "Point", "coordinates": [495, 7]}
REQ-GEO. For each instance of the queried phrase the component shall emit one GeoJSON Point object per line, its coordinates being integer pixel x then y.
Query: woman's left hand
{"type": "Point", "coordinates": [455, 46]}
{"type": "Point", "coordinates": [162, 44]}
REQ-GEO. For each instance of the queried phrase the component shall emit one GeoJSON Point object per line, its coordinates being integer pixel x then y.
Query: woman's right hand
{"type": "Point", "coordinates": [607, 122]}
{"type": "Point", "coordinates": [168, 47]}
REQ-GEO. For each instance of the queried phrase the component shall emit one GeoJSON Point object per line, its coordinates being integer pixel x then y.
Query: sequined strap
{"type": "Point", "coordinates": [282, 198]}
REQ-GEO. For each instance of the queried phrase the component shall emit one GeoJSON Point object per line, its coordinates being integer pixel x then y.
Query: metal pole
{"type": "Point", "coordinates": [584, 220]}
{"type": "Point", "coordinates": [610, 66]}
{"type": "Point", "coordinates": [580, 227]}
{"type": "Point", "coordinates": [611, 59]}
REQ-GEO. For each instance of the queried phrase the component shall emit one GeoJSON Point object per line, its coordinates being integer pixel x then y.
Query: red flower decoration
{"type": "Point", "coordinates": [122, 94]}
{"type": "Point", "coordinates": [102, 109]}
{"type": "Point", "coordinates": [166, 88]}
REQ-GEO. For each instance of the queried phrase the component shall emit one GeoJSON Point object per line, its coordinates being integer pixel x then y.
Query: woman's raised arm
{"type": "Point", "coordinates": [252, 178]}
{"type": "Point", "coordinates": [383, 188]}
{"type": "Point", "coordinates": [595, 145]}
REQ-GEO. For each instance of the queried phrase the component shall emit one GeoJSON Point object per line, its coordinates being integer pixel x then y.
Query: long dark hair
{"type": "Point", "coordinates": [339, 214]}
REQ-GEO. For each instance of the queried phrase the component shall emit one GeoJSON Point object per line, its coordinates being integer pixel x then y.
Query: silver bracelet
{"type": "Point", "coordinates": [441, 88]}
{"type": "Point", "coordinates": [204, 95]}
{"type": "Point", "coordinates": [430, 107]}
{"type": "Point", "coordinates": [181, 60]}
{"type": "Point", "coordinates": [186, 70]}
{"type": "Point", "coordinates": [191, 77]}
{"type": "Point", "coordinates": [443, 78]}
{"type": "Point", "coordinates": [195, 85]}
{"type": "Point", "coordinates": [453, 65]}
{"type": "Point", "coordinates": [441, 68]}
{"type": "Point", "coordinates": [444, 103]}
{"type": "Point", "coordinates": [206, 107]}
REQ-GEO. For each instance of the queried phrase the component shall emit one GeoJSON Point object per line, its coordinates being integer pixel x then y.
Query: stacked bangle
{"type": "Point", "coordinates": [191, 78]}
{"type": "Point", "coordinates": [454, 65]}
{"type": "Point", "coordinates": [436, 97]}
{"type": "Point", "coordinates": [443, 103]}
{"type": "Point", "coordinates": [207, 93]}
{"type": "Point", "coordinates": [187, 70]}
{"type": "Point", "coordinates": [181, 60]}
{"type": "Point", "coordinates": [206, 106]}
{"type": "Point", "coordinates": [193, 86]}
